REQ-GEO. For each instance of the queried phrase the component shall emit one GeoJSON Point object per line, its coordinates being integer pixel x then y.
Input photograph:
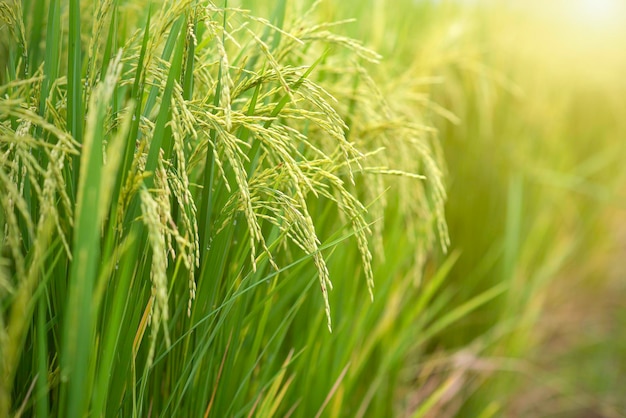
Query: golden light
{"type": "Point", "coordinates": [597, 13]}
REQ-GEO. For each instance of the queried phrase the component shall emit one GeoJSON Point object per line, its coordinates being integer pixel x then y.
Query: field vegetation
{"type": "Point", "coordinates": [297, 208]}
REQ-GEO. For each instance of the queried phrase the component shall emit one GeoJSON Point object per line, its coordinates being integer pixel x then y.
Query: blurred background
{"type": "Point", "coordinates": [532, 122]}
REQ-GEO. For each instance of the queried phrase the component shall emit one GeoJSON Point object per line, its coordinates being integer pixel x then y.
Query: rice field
{"type": "Point", "coordinates": [312, 208]}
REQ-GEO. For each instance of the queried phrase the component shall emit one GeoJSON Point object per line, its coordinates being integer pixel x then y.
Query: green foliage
{"type": "Point", "coordinates": [237, 209]}
{"type": "Point", "coordinates": [195, 170]}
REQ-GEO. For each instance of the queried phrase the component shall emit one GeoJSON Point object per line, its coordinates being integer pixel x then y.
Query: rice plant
{"type": "Point", "coordinates": [176, 179]}
{"type": "Point", "coordinates": [242, 209]}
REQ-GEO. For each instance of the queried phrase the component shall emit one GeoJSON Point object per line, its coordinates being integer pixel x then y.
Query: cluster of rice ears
{"type": "Point", "coordinates": [175, 177]}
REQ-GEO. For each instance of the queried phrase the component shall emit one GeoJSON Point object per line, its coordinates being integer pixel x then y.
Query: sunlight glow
{"type": "Point", "coordinates": [597, 12]}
